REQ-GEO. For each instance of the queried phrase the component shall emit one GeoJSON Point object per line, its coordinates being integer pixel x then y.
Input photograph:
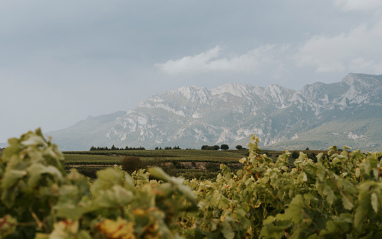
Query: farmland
{"type": "Point", "coordinates": [188, 163]}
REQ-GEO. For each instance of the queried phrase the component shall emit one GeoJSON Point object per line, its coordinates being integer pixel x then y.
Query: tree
{"type": "Point", "coordinates": [295, 154]}
{"type": "Point", "coordinates": [224, 147]}
{"type": "Point", "coordinates": [207, 147]}
{"type": "Point", "coordinates": [132, 163]}
{"type": "Point", "coordinates": [238, 147]}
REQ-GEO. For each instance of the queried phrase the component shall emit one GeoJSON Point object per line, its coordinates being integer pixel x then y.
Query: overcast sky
{"type": "Point", "coordinates": [61, 61]}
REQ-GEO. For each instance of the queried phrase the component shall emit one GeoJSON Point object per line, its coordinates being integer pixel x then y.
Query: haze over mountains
{"type": "Point", "coordinates": [318, 116]}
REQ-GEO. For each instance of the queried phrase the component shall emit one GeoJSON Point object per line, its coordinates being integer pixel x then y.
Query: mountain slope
{"type": "Point", "coordinates": [316, 116]}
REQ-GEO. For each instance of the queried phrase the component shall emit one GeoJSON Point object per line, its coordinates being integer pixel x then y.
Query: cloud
{"type": "Point", "coordinates": [210, 61]}
{"type": "Point", "coordinates": [357, 50]}
{"type": "Point", "coordinates": [351, 5]}
{"type": "Point", "coordinates": [190, 63]}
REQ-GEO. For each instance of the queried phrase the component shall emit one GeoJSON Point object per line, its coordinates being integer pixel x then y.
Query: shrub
{"type": "Point", "coordinates": [132, 163]}
{"type": "Point", "coordinates": [295, 154]}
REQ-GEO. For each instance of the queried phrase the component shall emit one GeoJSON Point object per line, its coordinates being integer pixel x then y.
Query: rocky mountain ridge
{"type": "Point", "coordinates": [194, 116]}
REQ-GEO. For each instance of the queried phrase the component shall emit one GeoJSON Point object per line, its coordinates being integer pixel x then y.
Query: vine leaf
{"type": "Point", "coordinates": [374, 202]}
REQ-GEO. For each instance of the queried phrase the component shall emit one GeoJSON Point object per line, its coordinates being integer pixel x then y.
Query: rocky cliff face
{"type": "Point", "coordinates": [194, 116]}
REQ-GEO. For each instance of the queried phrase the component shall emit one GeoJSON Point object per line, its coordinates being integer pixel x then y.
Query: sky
{"type": "Point", "coordinates": [61, 61]}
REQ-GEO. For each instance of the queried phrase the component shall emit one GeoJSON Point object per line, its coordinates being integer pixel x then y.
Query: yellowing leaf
{"type": "Point", "coordinates": [357, 172]}
{"type": "Point", "coordinates": [305, 178]}
{"type": "Point", "coordinates": [7, 225]}
{"type": "Point", "coordinates": [117, 229]}
{"type": "Point", "coordinates": [67, 229]}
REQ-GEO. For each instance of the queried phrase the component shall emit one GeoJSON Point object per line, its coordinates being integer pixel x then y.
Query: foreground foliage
{"type": "Point", "coordinates": [340, 196]}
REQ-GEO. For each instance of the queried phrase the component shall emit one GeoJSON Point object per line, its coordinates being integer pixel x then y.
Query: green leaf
{"type": "Point", "coordinates": [333, 148]}
{"type": "Point", "coordinates": [188, 193]}
{"type": "Point", "coordinates": [227, 230]}
{"type": "Point", "coordinates": [106, 179]}
{"type": "Point", "coordinates": [360, 214]}
{"type": "Point", "coordinates": [374, 202]}
{"type": "Point", "coordinates": [67, 204]}
{"type": "Point", "coordinates": [36, 170]}
{"type": "Point", "coordinates": [115, 197]}
{"type": "Point", "coordinates": [330, 196]}
{"type": "Point", "coordinates": [11, 177]}
{"type": "Point", "coordinates": [34, 140]}
{"type": "Point", "coordinates": [347, 203]}
{"type": "Point", "coordinates": [295, 208]}
{"type": "Point", "coordinates": [159, 174]}
{"type": "Point", "coordinates": [183, 189]}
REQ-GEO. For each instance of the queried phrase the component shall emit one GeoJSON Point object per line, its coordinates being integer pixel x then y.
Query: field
{"type": "Point", "coordinates": [169, 155]}
{"type": "Point", "coordinates": [186, 163]}
{"type": "Point", "coordinates": [189, 164]}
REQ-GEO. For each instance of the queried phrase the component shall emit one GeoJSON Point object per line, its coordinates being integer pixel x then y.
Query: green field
{"type": "Point", "coordinates": [169, 155]}
{"type": "Point", "coordinates": [176, 162]}
{"type": "Point", "coordinates": [189, 164]}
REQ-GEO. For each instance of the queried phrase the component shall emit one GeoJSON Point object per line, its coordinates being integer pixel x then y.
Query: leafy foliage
{"type": "Point", "coordinates": [39, 200]}
{"type": "Point", "coordinates": [339, 196]}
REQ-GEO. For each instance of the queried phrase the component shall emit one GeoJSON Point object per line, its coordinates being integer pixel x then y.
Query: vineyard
{"type": "Point", "coordinates": [189, 164]}
{"type": "Point", "coordinates": [337, 195]}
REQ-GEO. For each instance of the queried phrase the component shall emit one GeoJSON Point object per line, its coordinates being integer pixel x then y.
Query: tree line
{"type": "Point", "coordinates": [204, 147]}
{"type": "Point", "coordinates": [116, 148]}
{"type": "Point", "coordinates": [217, 147]}
{"type": "Point", "coordinates": [167, 147]}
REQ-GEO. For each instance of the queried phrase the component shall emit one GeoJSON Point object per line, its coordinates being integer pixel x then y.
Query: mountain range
{"type": "Point", "coordinates": [318, 116]}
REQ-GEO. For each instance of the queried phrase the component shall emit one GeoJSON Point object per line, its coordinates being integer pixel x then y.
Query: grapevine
{"type": "Point", "coordinates": [339, 196]}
